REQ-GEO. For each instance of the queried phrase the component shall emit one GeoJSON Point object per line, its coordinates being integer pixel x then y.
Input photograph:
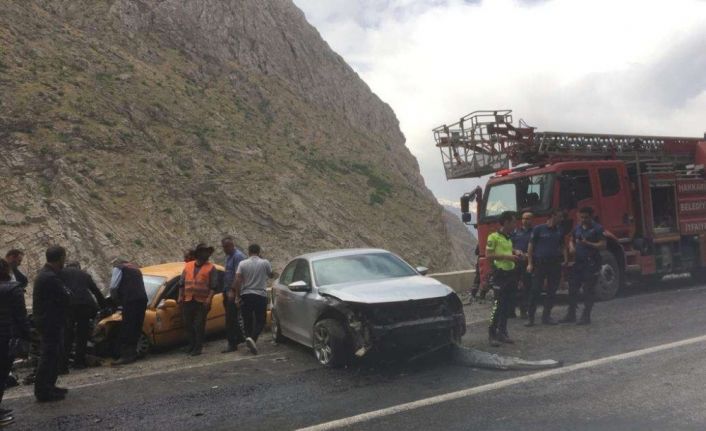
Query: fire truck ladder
{"type": "Point", "coordinates": [484, 142]}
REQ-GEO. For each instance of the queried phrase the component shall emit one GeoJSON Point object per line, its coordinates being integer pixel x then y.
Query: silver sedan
{"type": "Point", "coordinates": [346, 303]}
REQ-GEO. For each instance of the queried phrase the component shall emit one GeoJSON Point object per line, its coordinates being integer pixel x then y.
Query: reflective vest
{"type": "Point", "coordinates": [198, 287]}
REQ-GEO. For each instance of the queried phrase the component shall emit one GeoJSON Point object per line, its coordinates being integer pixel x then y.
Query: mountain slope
{"type": "Point", "coordinates": [139, 128]}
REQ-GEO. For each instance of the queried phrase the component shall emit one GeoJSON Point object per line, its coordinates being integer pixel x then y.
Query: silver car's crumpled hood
{"type": "Point", "coordinates": [389, 290]}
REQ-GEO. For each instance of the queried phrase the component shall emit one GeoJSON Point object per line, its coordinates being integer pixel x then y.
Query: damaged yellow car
{"type": "Point", "coordinates": [163, 317]}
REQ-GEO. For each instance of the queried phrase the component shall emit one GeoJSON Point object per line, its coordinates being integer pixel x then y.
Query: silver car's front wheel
{"type": "Point", "coordinates": [330, 343]}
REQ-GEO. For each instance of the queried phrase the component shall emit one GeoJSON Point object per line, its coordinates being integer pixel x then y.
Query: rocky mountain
{"type": "Point", "coordinates": [140, 127]}
{"type": "Point", "coordinates": [456, 211]}
{"type": "Point", "coordinates": [463, 243]}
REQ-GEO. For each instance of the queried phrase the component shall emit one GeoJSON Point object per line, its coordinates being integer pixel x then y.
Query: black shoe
{"type": "Point", "coordinates": [79, 366]}
{"type": "Point", "coordinates": [59, 390]}
{"type": "Point", "coordinates": [252, 346]}
{"type": "Point", "coordinates": [569, 318]}
{"type": "Point", "coordinates": [63, 371]}
{"type": "Point", "coordinates": [504, 338]}
{"type": "Point", "coordinates": [50, 397]}
{"type": "Point", "coordinates": [195, 352]}
{"type": "Point", "coordinates": [188, 349]}
{"type": "Point", "coordinates": [548, 321]}
{"type": "Point", "coordinates": [493, 338]}
{"type": "Point", "coordinates": [512, 315]}
{"type": "Point", "coordinates": [123, 361]}
{"type": "Point", "coordinates": [5, 412]}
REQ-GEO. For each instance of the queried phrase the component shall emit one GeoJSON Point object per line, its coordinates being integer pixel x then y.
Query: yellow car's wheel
{"type": "Point", "coordinates": [143, 346]}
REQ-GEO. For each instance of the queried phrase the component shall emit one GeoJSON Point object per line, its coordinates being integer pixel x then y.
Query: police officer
{"type": "Point", "coordinates": [587, 240]}
{"type": "Point", "coordinates": [504, 277]}
{"type": "Point", "coordinates": [545, 255]}
{"type": "Point", "coordinates": [520, 242]}
{"type": "Point", "coordinates": [50, 305]}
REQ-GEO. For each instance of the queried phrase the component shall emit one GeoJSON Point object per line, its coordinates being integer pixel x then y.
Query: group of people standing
{"type": "Point", "coordinates": [244, 289]}
{"type": "Point", "coordinates": [65, 299]}
{"type": "Point", "coordinates": [530, 259]}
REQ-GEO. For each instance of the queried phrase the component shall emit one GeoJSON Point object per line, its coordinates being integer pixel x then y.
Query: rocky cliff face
{"type": "Point", "coordinates": [138, 128]}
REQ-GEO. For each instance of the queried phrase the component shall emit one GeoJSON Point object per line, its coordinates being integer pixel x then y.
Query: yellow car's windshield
{"type": "Point", "coordinates": [152, 284]}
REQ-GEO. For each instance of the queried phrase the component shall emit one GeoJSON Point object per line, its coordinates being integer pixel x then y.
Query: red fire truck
{"type": "Point", "coordinates": [649, 192]}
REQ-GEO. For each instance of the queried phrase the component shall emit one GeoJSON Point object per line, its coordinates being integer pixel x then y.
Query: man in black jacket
{"type": "Point", "coordinates": [85, 300]}
{"type": "Point", "coordinates": [128, 289]}
{"type": "Point", "coordinates": [50, 305]}
{"type": "Point", "coordinates": [14, 258]}
{"type": "Point", "coordinates": [13, 323]}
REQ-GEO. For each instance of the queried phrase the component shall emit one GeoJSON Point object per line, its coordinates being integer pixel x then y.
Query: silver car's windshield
{"type": "Point", "coordinates": [359, 267]}
{"type": "Point", "coordinates": [152, 284]}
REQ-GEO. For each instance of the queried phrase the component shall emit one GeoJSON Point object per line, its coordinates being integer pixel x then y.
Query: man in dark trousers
{"type": "Point", "coordinates": [503, 259]}
{"type": "Point", "coordinates": [50, 306]}
{"type": "Point", "coordinates": [13, 324]}
{"type": "Point", "coordinates": [234, 256]}
{"type": "Point", "coordinates": [520, 241]}
{"type": "Point", "coordinates": [587, 241]}
{"type": "Point", "coordinates": [86, 299]}
{"type": "Point", "coordinates": [545, 255]}
{"type": "Point", "coordinates": [127, 288]}
{"type": "Point", "coordinates": [14, 258]}
{"type": "Point", "coordinates": [198, 283]}
{"type": "Point", "coordinates": [249, 292]}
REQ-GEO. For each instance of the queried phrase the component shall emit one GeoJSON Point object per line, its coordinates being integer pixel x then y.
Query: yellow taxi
{"type": "Point", "coordinates": [163, 317]}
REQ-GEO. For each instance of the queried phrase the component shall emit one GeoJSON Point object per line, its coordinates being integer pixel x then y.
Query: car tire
{"type": "Point", "coordinates": [277, 336]}
{"type": "Point", "coordinates": [331, 346]}
{"type": "Point", "coordinates": [609, 277]}
{"type": "Point", "coordinates": [143, 346]}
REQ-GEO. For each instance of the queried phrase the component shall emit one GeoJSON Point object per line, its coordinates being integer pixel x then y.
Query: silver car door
{"type": "Point", "coordinates": [303, 307]}
{"type": "Point", "coordinates": [283, 299]}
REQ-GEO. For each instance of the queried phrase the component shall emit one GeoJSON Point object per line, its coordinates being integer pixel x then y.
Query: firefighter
{"type": "Point", "coordinates": [520, 241]}
{"type": "Point", "coordinates": [587, 241]}
{"type": "Point", "coordinates": [545, 254]}
{"type": "Point", "coordinates": [504, 277]}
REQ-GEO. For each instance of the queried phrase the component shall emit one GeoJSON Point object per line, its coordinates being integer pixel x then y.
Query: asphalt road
{"type": "Point", "coordinates": [638, 366]}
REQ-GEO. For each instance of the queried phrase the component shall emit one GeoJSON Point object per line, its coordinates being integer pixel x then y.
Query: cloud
{"type": "Point", "coordinates": [603, 66]}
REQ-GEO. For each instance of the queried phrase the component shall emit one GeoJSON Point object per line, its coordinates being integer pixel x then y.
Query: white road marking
{"type": "Point", "coordinates": [400, 408]}
{"type": "Point", "coordinates": [154, 373]}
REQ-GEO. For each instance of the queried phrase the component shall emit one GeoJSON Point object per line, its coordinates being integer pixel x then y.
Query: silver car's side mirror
{"type": "Point", "coordinates": [422, 270]}
{"type": "Point", "coordinates": [299, 286]}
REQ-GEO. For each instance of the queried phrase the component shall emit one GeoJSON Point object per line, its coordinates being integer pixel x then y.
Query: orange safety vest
{"type": "Point", "coordinates": [197, 288]}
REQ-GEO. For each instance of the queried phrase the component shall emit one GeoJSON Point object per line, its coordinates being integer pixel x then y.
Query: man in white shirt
{"type": "Point", "coordinates": [249, 292]}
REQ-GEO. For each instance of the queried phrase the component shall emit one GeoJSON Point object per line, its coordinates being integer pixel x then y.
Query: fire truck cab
{"type": "Point", "coordinates": [649, 193]}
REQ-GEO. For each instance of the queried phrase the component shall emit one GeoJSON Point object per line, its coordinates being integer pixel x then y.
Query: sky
{"type": "Point", "coordinates": [603, 66]}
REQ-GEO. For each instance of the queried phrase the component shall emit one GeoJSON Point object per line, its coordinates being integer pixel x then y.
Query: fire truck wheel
{"type": "Point", "coordinates": [608, 277]}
